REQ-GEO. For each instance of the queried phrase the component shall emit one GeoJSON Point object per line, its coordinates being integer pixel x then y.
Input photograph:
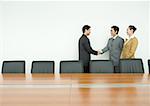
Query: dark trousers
{"type": "Point", "coordinates": [116, 69]}
{"type": "Point", "coordinates": [86, 69]}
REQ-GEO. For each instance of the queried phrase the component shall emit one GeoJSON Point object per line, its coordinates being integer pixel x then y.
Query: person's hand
{"type": "Point", "coordinates": [98, 52]}
{"type": "Point", "coordinates": [101, 52]}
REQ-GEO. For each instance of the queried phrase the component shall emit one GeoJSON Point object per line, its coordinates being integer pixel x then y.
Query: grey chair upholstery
{"type": "Point", "coordinates": [13, 67]}
{"type": "Point", "coordinates": [71, 67]}
{"type": "Point", "coordinates": [42, 67]}
{"type": "Point", "coordinates": [101, 66]}
{"type": "Point", "coordinates": [131, 66]}
{"type": "Point", "coordinates": [149, 65]}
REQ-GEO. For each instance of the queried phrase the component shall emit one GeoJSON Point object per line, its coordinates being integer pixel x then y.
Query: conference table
{"type": "Point", "coordinates": [75, 89]}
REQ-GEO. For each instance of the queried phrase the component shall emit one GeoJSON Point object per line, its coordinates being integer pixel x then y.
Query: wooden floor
{"type": "Point", "coordinates": [75, 90]}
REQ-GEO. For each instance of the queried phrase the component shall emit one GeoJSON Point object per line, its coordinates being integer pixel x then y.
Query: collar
{"type": "Point", "coordinates": [114, 37]}
{"type": "Point", "coordinates": [84, 35]}
{"type": "Point", "coordinates": [131, 36]}
{"type": "Point", "coordinates": [128, 39]}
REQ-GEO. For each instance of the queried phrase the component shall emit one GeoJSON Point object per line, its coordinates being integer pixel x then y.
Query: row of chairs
{"type": "Point", "coordinates": [96, 66]}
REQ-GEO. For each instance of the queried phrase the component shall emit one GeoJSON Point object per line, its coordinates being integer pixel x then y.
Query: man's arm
{"type": "Point", "coordinates": [121, 44]}
{"type": "Point", "coordinates": [106, 48]}
{"type": "Point", "coordinates": [88, 48]}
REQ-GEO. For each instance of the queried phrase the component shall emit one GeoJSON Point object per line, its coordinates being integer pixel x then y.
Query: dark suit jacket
{"type": "Point", "coordinates": [85, 50]}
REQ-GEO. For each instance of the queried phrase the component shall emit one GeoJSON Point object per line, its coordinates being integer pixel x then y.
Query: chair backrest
{"type": "Point", "coordinates": [149, 65]}
{"type": "Point", "coordinates": [101, 66]}
{"type": "Point", "coordinates": [42, 67]}
{"type": "Point", "coordinates": [71, 67]}
{"type": "Point", "coordinates": [131, 66]}
{"type": "Point", "coordinates": [13, 67]}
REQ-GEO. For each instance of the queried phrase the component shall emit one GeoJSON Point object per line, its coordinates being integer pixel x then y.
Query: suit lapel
{"type": "Point", "coordinates": [128, 42]}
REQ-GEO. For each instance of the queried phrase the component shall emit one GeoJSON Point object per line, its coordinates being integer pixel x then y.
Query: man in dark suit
{"type": "Point", "coordinates": [85, 48]}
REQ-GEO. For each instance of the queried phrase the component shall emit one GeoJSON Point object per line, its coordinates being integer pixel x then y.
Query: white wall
{"type": "Point", "coordinates": [50, 30]}
{"type": "Point", "coordinates": [1, 47]}
{"type": "Point", "coordinates": [149, 29]}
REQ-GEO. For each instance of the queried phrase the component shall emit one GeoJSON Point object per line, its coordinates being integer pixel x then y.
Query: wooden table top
{"type": "Point", "coordinates": [74, 90]}
{"type": "Point", "coordinates": [74, 78]}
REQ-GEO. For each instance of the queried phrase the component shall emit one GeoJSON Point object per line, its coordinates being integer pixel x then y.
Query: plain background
{"type": "Point", "coordinates": [48, 30]}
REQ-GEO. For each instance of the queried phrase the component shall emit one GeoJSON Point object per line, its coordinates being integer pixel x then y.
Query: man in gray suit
{"type": "Point", "coordinates": [85, 48]}
{"type": "Point", "coordinates": [114, 46]}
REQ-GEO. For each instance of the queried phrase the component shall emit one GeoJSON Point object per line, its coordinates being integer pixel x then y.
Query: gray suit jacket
{"type": "Point", "coordinates": [115, 47]}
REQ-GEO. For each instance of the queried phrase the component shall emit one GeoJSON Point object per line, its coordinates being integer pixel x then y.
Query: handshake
{"type": "Point", "coordinates": [99, 52]}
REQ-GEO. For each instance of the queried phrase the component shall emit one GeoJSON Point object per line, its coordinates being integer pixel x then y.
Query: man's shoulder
{"type": "Point", "coordinates": [110, 39]}
{"type": "Point", "coordinates": [120, 38]}
{"type": "Point", "coordinates": [83, 38]}
{"type": "Point", "coordinates": [134, 39]}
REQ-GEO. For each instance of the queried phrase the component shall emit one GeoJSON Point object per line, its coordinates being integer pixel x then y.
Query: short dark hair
{"type": "Point", "coordinates": [85, 27]}
{"type": "Point", "coordinates": [132, 27]}
{"type": "Point", "coordinates": [116, 29]}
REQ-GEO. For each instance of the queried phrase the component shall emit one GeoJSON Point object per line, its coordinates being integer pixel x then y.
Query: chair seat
{"type": "Point", "coordinates": [131, 66]}
{"type": "Point", "coordinates": [101, 66]}
{"type": "Point", "coordinates": [42, 67]}
{"type": "Point", "coordinates": [71, 67]}
{"type": "Point", "coordinates": [13, 67]}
